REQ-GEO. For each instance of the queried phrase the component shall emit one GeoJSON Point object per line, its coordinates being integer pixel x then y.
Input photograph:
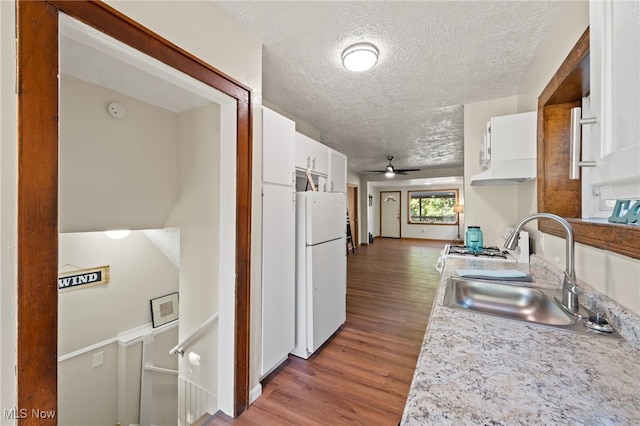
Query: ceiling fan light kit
{"type": "Point", "coordinates": [391, 171]}
{"type": "Point", "coordinates": [360, 57]}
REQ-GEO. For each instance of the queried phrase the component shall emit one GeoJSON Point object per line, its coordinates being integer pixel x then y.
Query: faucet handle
{"type": "Point", "coordinates": [572, 284]}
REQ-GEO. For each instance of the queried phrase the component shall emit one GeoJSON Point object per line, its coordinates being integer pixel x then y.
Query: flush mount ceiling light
{"type": "Point", "coordinates": [360, 57]}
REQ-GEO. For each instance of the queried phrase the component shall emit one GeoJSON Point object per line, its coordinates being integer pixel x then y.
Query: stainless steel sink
{"type": "Point", "coordinates": [528, 304]}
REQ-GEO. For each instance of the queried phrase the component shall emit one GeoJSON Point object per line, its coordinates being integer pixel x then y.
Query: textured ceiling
{"type": "Point", "coordinates": [95, 66]}
{"type": "Point", "coordinates": [435, 56]}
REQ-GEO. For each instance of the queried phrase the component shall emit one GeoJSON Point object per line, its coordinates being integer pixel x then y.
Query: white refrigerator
{"type": "Point", "coordinates": [321, 269]}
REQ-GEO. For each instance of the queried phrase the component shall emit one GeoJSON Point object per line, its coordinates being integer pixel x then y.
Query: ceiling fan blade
{"type": "Point", "coordinates": [391, 169]}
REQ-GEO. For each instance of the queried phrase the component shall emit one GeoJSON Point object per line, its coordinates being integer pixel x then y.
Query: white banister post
{"type": "Point", "coordinates": [146, 381]}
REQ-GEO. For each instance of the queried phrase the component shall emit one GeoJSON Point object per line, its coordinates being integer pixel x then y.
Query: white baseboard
{"type": "Point", "coordinates": [255, 393]}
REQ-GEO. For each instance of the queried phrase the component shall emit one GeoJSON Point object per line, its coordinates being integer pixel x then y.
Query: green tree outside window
{"type": "Point", "coordinates": [433, 207]}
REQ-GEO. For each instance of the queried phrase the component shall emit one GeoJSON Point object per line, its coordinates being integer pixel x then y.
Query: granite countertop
{"type": "Point", "coordinates": [478, 369]}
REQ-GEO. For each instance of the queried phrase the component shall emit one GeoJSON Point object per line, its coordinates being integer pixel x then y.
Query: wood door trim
{"type": "Point", "coordinates": [37, 218]}
{"type": "Point", "coordinates": [37, 223]}
{"type": "Point", "coordinates": [399, 213]}
{"type": "Point", "coordinates": [356, 218]}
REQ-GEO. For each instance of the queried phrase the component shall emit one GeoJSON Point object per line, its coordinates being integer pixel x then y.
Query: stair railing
{"type": "Point", "coordinates": [180, 347]}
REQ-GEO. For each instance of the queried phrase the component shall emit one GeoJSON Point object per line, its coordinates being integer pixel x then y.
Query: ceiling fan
{"type": "Point", "coordinates": [389, 171]}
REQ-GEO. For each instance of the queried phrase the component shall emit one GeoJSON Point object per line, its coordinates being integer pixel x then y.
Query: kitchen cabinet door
{"type": "Point", "coordinates": [278, 239]}
{"type": "Point", "coordinates": [311, 155]}
{"type": "Point", "coordinates": [278, 148]}
{"type": "Point", "coordinates": [319, 157]}
{"type": "Point", "coordinates": [337, 172]}
{"type": "Point", "coordinates": [615, 99]}
{"type": "Point", "coordinates": [278, 275]}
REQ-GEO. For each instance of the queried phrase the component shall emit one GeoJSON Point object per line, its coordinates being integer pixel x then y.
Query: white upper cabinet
{"type": "Point", "coordinates": [278, 147]}
{"type": "Point", "coordinates": [311, 155]}
{"type": "Point", "coordinates": [614, 141]}
{"type": "Point", "coordinates": [337, 172]}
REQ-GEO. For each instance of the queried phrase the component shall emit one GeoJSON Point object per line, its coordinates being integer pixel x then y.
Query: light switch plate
{"type": "Point", "coordinates": [98, 359]}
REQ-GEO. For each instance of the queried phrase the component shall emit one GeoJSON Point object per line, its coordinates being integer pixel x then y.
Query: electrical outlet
{"type": "Point", "coordinates": [98, 359]}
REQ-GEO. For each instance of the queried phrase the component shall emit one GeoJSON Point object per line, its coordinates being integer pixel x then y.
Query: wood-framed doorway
{"type": "Point", "coordinates": [354, 219]}
{"type": "Point", "coordinates": [37, 203]}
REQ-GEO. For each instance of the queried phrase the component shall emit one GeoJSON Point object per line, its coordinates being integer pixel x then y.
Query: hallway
{"type": "Point", "coordinates": [362, 376]}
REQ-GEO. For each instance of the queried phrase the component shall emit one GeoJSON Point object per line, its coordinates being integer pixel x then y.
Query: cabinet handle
{"type": "Point", "coordinates": [314, 163]}
{"type": "Point", "coordinates": [308, 161]}
{"type": "Point", "coordinates": [576, 142]}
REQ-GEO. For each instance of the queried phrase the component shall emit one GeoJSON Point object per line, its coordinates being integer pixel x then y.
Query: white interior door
{"type": "Point", "coordinates": [390, 214]}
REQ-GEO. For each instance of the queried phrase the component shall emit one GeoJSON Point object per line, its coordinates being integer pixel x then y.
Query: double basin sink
{"type": "Point", "coordinates": [515, 302]}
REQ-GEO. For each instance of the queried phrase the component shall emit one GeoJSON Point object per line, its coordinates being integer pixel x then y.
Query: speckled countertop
{"type": "Point", "coordinates": [479, 370]}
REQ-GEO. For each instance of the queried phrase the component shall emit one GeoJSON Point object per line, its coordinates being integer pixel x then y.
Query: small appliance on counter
{"type": "Point", "coordinates": [491, 253]}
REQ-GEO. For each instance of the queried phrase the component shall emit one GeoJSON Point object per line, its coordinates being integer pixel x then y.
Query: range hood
{"type": "Point", "coordinates": [508, 151]}
{"type": "Point", "coordinates": [509, 172]}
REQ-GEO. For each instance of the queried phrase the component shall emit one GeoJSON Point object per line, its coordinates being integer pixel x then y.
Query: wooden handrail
{"type": "Point", "coordinates": [179, 348]}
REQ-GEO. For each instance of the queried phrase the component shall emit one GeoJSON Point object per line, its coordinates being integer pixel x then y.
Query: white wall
{"type": "Point", "coordinates": [197, 215]}
{"type": "Point", "coordinates": [7, 207]}
{"type": "Point", "coordinates": [114, 173]}
{"type": "Point", "coordinates": [139, 273]}
{"type": "Point", "coordinates": [407, 230]}
{"type": "Point", "coordinates": [110, 393]}
{"type": "Point", "coordinates": [490, 207]}
{"type": "Point", "coordinates": [205, 31]}
{"type": "Point", "coordinates": [89, 395]}
{"type": "Point", "coordinates": [613, 274]}
{"type": "Point", "coordinates": [89, 316]}
{"type": "Point", "coordinates": [571, 21]}
{"type": "Point", "coordinates": [353, 180]}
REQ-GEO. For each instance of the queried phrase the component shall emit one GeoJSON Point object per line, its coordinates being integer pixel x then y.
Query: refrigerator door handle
{"type": "Point", "coordinates": [323, 242]}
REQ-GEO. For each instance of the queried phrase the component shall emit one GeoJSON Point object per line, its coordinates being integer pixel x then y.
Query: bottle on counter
{"type": "Point", "coordinates": [474, 238]}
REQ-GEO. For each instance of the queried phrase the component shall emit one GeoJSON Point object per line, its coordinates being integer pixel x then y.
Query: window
{"type": "Point", "coordinates": [433, 207]}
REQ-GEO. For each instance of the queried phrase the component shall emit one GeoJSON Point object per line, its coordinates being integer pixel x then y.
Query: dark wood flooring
{"type": "Point", "coordinates": [362, 375]}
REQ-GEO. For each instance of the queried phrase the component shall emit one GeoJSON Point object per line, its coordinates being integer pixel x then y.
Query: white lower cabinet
{"type": "Point", "coordinates": [278, 275]}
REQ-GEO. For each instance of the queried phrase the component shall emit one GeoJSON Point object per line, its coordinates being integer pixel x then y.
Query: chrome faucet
{"type": "Point", "coordinates": [570, 288]}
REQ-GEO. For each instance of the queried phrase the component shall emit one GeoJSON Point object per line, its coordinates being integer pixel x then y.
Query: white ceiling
{"type": "Point", "coordinates": [435, 56]}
